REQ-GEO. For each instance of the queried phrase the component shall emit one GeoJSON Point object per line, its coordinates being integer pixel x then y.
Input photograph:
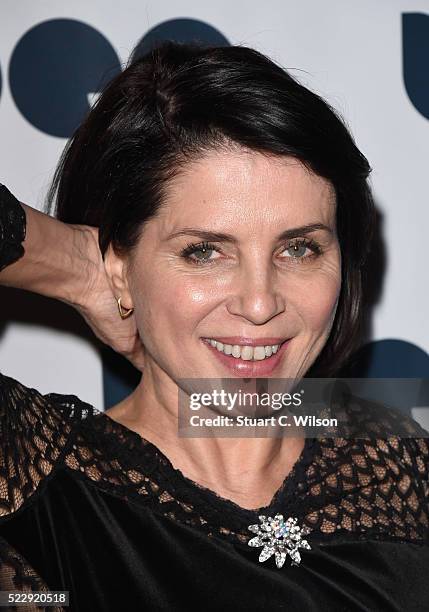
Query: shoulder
{"type": "Point", "coordinates": [371, 488]}
{"type": "Point", "coordinates": [374, 481]}
{"type": "Point", "coordinates": [22, 406]}
{"type": "Point", "coordinates": [395, 436]}
{"type": "Point", "coordinates": [35, 431]}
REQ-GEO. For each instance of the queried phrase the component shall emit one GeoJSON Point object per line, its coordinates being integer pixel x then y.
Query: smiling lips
{"type": "Point", "coordinates": [246, 352]}
{"type": "Point", "coordinates": [247, 356]}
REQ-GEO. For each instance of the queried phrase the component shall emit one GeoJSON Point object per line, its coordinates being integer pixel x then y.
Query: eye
{"type": "Point", "coordinates": [203, 252]}
{"type": "Point", "coordinates": [200, 253]}
{"type": "Point", "coordinates": [298, 248]}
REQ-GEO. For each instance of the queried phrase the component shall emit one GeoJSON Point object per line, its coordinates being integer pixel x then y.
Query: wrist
{"type": "Point", "coordinates": [47, 256]}
{"type": "Point", "coordinates": [12, 228]}
{"type": "Point", "coordinates": [84, 265]}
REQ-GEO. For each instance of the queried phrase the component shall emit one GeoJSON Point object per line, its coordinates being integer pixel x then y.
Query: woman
{"type": "Point", "coordinates": [224, 210]}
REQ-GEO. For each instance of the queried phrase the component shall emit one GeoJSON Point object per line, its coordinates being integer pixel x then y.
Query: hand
{"type": "Point", "coordinates": [98, 306]}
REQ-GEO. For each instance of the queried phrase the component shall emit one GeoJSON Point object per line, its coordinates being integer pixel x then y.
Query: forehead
{"type": "Point", "coordinates": [242, 188]}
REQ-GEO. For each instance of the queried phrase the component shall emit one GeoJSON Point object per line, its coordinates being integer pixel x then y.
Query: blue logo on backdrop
{"type": "Point", "coordinates": [58, 65]}
{"type": "Point", "coordinates": [415, 49]}
{"type": "Point", "coordinates": [55, 69]}
{"type": "Point", "coordinates": [180, 30]}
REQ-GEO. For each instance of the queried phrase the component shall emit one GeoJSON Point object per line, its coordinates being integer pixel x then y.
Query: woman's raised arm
{"type": "Point", "coordinates": [58, 258]}
{"type": "Point", "coordinates": [63, 261]}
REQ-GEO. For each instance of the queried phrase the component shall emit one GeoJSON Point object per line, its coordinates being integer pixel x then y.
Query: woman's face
{"type": "Point", "coordinates": [224, 274]}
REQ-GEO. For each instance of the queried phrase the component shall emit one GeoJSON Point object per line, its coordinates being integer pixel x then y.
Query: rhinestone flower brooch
{"type": "Point", "coordinates": [280, 538]}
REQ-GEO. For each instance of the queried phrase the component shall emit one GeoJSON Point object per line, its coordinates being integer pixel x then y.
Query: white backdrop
{"type": "Point", "coordinates": [350, 52]}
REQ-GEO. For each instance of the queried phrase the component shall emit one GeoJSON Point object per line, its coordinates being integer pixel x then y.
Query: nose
{"type": "Point", "coordinates": [256, 296]}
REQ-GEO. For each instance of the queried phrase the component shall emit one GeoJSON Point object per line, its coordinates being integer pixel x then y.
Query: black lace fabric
{"type": "Point", "coordinates": [375, 488]}
{"type": "Point", "coordinates": [12, 228]}
{"type": "Point", "coordinates": [33, 437]}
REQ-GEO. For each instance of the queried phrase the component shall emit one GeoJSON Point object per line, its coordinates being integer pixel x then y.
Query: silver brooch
{"type": "Point", "coordinates": [280, 538]}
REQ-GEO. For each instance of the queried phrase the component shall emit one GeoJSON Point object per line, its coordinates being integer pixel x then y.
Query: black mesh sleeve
{"type": "Point", "coordinates": [34, 433]}
{"type": "Point", "coordinates": [12, 228]}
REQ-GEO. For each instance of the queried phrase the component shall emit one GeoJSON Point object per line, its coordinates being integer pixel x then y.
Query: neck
{"type": "Point", "coordinates": [247, 471]}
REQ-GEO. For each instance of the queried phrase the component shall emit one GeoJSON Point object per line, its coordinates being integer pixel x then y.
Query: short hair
{"type": "Point", "coordinates": [181, 100]}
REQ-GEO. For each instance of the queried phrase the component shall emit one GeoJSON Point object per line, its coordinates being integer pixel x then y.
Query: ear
{"type": "Point", "coordinates": [116, 267]}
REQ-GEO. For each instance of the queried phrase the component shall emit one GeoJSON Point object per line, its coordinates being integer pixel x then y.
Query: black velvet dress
{"type": "Point", "coordinates": [89, 507]}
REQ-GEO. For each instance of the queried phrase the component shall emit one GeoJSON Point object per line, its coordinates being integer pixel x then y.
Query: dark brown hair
{"type": "Point", "coordinates": [181, 100]}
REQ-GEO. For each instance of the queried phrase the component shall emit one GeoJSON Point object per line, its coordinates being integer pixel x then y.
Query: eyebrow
{"type": "Point", "coordinates": [221, 237]}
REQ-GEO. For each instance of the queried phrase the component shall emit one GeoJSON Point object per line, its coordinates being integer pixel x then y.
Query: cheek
{"type": "Point", "coordinates": [172, 303]}
{"type": "Point", "coordinates": [318, 301]}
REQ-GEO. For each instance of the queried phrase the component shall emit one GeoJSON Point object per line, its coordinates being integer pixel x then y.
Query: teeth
{"type": "Point", "coordinates": [259, 353]}
{"type": "Point", "coordinates": [247, 353]}
{"type": "Point", "coordinates": [236, 351]}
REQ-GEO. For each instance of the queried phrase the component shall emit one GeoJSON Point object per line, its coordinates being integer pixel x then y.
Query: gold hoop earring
{"type": "Point", "coordinates": [124, 313]}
